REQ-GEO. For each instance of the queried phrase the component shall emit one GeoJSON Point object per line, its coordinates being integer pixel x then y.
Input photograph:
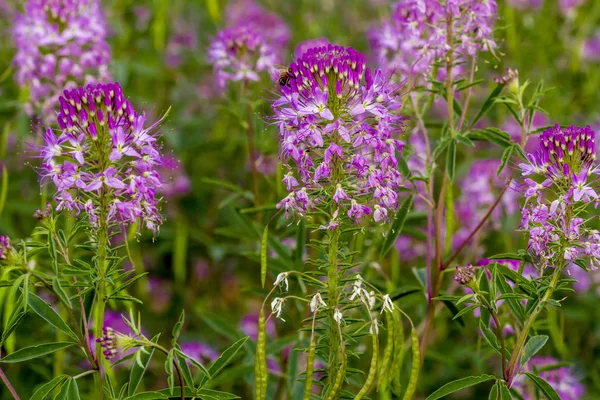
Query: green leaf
{"type": "Point", "coordinates": [207, 394]}
{"type": "Point", "coordinates": [15, 319]}
{"type": "Point", "coordinates": [451, 160]}
{"type": "Point", "coordinates": [494, 392]}
{"type": "Point", "coordinates": [48, 387]}
{"type": "Point", "coordinates": [60, 292]}
{"type": "Point", "coordinates": [128, 283]}
{"type": "Point", "coordinates": [493, 135]}
{"type": "Point", "coordinates": [397, 226]}
{"type": "Point", "coordinates": [43, 309]}
{"type": "Point", "coordinates": [504, 392]}
{"type": "Point", "coordinates": [138, 368]}
{"type": "Point", "coordinates": [185, 369]}
{"type": "Point", "coordinates": [489, 336]}
{"type": "Point", "coordinates": [196, 363]}
{"type": "Point", "coordinates": [459, 384]}
{"type": "Point", "coordinates": [465, 310]}
{"type": "Point", "coordinates": [263, 255]}
{"type": "Point", "coordinates": [177, 328]}
{"type": "Point", "coordinates": [488, 103]}
{"type": "Point", "coordinates": [506, 156]}
{"type": "Point", "coordinates": [29, 353]}
{"type": "Point", "coordinates": [148, 396]}
{"type": "Point", "coordinates": [532, 347]}
{"type": "Point", "coordinates": [73, 392]}
{"type": "Point", "coordinates": [543, 386]}
{"type": "Point", "coordinates": [224, 359]}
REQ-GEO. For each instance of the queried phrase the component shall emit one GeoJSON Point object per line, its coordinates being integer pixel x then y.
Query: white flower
{"type": "Point", "coordinates": [316, 302]}
{"type": "Point", "coordinates": [277, 306]}
{"type": "Point", "coordinates": [337, 315]}
{"type": "Point", "coordinates": [357, 288]}
{"type": "Point", "coordinates": [370, 299]}
{"type": "Point", "coordinates": [282, 279]}
{"type": "Point", "coordinates": [374, 330]}
{"type": "Point", "coordinates": [387, 304]}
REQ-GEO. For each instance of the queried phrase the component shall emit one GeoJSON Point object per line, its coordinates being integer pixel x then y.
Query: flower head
{"type": "Point", "coordinates": [338, 130]}
{"type": "Point", "coordinates": [240, 53]}
{"type": "Point", "coordinates": [417, 33]}
{"type": "Point", "coordinates": [60, 44]}
{"type": "Point", "coordinates": [464, 275]}
{"type": "Point", "coordinates": [103, 153]}
{"type": "Point", "coordinates": [4, 246]}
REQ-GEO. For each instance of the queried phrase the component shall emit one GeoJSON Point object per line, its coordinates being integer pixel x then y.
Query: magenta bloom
{"type": "Point", "coordinates": [272, 28]}
{"type": "Point", "coordinates": [338, 128]}
{"type": "Point", "coordinates": [60, 45]}
{"type": "Point", "coordinates": [102, 151]}
{"type": "Point", "coordinates": [240, 53]}
{"type": "Point", "coordinates": [416, 34]}
{"type": "Point", "coordinates": [4, 246]}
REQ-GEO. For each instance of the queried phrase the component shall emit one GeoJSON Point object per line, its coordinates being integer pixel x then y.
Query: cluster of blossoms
{"type": "Point", "coordinates": [61, 44]}
{"type": "Point", "coordinates": [338, 126]}
{"type": "Point", "coordinates": [4, 246]}
{"type": "Point", "coordinates": [102, 159]}
{"type": "Point", "coordinates": [479, 191]}
{"type": "Point", "coordinates": [561, 378]}
{"type": "Point", "coordinates": [417, 34]}
{"type": "Point", "coordinates": [560, 182]}
{"type": "Point", "coordinates": [269, 25]}
{"type": "Point", "coordinates": [239, 54]}
{"type": "Point", "coordinates": [253, 41]}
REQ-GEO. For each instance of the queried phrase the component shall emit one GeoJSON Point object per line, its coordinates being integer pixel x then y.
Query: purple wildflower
{"type": "Point", "coordinates": [103, 151]}
{"type": "Point", "coordinates": [239, 54]}
{"type": "Point", "coordinates": [60, 45]}
{"type": "Point", "coordinates": [338, 126]}
{"type": "Point", "coordinates": [4, 246]}
{"type": "Point", "coordinates": [176, 183]}
{"type": "Point", "coordinates": [272, 28]}
{"type": "Point", "coordinates": [464, 275]}
{"type": "Point", "coordinates": [591, 48]}
{"type": "Point", "coordinates": [416, 35]}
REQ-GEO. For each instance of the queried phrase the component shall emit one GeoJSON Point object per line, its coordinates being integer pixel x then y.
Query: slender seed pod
{"type": "Point", "coordinates": [339, 379]}
{"type": "Point", "coordinates": [385, 372]}
{"type": "Point", "coordinates": [260, 369]}
{"type": "Point", "coordinates": [416, 366]}
{"type": "Point", "coordinates": [373, 370]}
{"type": "Point", "coordinates": [310, 363]}
{"type": "Point", "coordinates": [399, 352]}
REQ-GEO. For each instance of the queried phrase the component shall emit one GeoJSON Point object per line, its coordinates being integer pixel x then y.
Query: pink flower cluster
{"type": "Point", "coordinates": [240, 54]}
{"type": "Point", "coordinates": [416, 35]}
{"type": "Point", "coordinates": [338, 131]}
{"type": "Point", "coordinates": [560, 181]}
{"type": "Point", "coordinates": [103, 160]}
{"type": "Point", "coordinates": [61, 44]}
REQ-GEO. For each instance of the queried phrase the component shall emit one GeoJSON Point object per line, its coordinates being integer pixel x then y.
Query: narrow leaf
{"type": "Point", "coordinates": [138, 368]}
{"type": "Point", "coordinates": [451, 160]}
{"type": "Point", "coordinates": [225, 358]}
{"type": "Point", "coordinates": [459, 384]}
{"type": "Point", "coordinates": [532, 347]}
{"type": "Point", "coordinates": [48, 387]}
{"type": "Point", "coordinates": [29, 353]}
{"type": "Point", "coordinates": [41, 308]}
{"type": "Point", "coordinates": [397, 226]}
{"type": "Point", "coordinates": [543, 386]}
{"type": "Point", "coordinates": [488, 103]}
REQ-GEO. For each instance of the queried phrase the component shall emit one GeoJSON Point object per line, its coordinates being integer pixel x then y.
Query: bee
{"type": "Point", "coordinates": [285, 73]}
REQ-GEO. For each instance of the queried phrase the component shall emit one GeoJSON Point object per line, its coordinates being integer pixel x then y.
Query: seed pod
{"type": "Point", "coordinates": [385, 372]}
{"type": "Point", "coordinates": [260, 368]}
{"type": "Point", "coordinates": [399, 352]}
{"type": "Point", "coordinates": [339, 379]}
{"type": "Point", "coordinates": [310, 367]}
{"type": "Point", "coordinates": [373, 370]}
{"type": "Point", "coordinates": [416, 366]}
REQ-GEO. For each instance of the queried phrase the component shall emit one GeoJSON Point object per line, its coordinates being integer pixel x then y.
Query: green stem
{"type": "Point", "coordinates": [102, 239]}
{"type": "Point", "coordinates": [332, 299]}
{"type": "Point", "coordinates": [512, 365]}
